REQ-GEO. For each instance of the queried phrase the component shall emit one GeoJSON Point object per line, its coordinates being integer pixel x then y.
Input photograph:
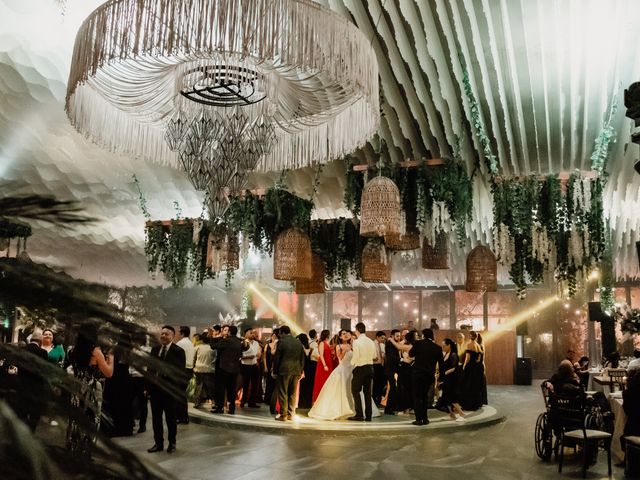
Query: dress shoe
{"type": "Point", "coordinates": [155, 449]}
{"type": "Point", "coordinates": [281, 418]}
{"type": "Point", "coordinates": [417, 422]}
{"type": "Point", "coordinates": [368, 419]}
{"type": "Point", "coordinates": [183, 422]}
{"type": "Point", "coordinates": [171, 448]}
{"type": "Point", "coordinates": [355, 418]}
{"type": "Point", "coordinates": [289, 417]}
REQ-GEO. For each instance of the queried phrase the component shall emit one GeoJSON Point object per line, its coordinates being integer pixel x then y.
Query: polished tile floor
{"type": "Point", "coordinates": [502, 451]}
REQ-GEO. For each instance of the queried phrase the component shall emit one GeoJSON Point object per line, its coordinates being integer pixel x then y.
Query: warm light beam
{"type": "Point", "coordinates": [295, 329]}
{"type": "Point", "coordinates": [519, 318]}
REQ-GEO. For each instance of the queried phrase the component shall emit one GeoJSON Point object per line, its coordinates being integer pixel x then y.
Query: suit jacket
{"type": "Point", "coordinates": [229, 353]}
{"type": "Point", "coordinates": [37, 350]}
{"type": "Point", "coordinates": [427, 355]}
{"type": "Point", "coordinates": [174, 371]}
{"type": "Point", "coordinates": [289, 356]}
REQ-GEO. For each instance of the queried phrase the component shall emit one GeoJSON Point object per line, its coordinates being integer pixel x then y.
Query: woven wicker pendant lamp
{"type": "Point", "coordinates": [408, 241]}
{"type": "Point", "coordinates": [380, 208]}
{"type": "Point", "coordinates": [375, 265]}
{"type": "Point", "coordinates": [436, 257]}
{"type": "Point", "coordinates": [482, 270]}
{"type": "Point", "coordinates": [292, 255]}
{"type": "Point", "coordinates": [315, 284]}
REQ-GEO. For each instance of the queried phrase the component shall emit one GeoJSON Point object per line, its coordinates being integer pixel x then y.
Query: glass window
{"type": "Point", "coordinates": [635, 297]}
{"type": "Point", "coordinates": [501, 307]}
{"type": "Point", "coordinates": [436, 304]}
{"type": "Point", "coordinates": [313, 308]}
{"type": "Point", "coordinates": [469, 310]}
{"type": "Point", "coordinates": [345, 305]}
{"type": "Point", "coordinates": [406, 311]}
{"type": "Point", "coordinates": [375, 310]}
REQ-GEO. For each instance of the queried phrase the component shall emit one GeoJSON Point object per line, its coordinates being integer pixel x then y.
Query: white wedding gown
{"type": "Point", "coordinates": [335, 400]}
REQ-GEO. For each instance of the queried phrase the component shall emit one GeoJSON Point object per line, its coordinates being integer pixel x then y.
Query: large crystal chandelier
{"type": "Point", "coordinates": [222, 87]}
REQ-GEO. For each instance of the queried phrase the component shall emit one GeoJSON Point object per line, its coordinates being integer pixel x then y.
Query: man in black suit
{"type": "Point", "coordinates": [288, 365]}
{"type": "Point", "coordinates": [391, 366]}
{"type": "Point", "coordinates": [165, 392]}
{"type": "Point", "coordinates": [427, 355]}
{"type": "Point", "coordinates": [229, 348]}
{"type": "Point", "coordinates": [32, 391]}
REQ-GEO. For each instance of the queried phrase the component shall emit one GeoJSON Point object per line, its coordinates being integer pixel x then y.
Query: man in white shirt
{"type": "Point", "coordinates": [314, 355]}
{"type": "Point", "coordinates": [250, 371]}
{"type": "Point", "coordinates": [364, 351]}
{"type": "Point", "coordinates": [185, 343]}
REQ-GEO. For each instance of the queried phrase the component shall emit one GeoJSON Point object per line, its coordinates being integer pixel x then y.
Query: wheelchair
{"type": "Point", "coordinates": [546, 435]}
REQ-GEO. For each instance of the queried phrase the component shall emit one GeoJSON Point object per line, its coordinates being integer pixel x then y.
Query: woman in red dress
{"type": "Point", "coordinates": [325, 364]}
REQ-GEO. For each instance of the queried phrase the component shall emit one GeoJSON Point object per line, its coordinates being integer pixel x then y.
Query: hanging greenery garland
{"type": "Point", "coordinates": [476, 121]}
{"type": "Point", "coordinates": [538, 229]}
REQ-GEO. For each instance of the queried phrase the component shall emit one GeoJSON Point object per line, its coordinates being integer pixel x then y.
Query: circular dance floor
{"type": "Point", "coordinates": [260, 419]}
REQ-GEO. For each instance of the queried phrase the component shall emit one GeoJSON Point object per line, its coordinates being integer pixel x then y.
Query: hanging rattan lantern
{"type": "Point", "coordinates": [482, 270]}
{"type": "Point", "coordinates": [380, 208]}
{"type": "Point", "coordinates": [375, 265]}
{"type": "Point", "coordinates": [436, 257]}
{"type": "Point", "coordinates": [315, 284]}
{"type": "Point", "coordinates": [292, 255]}
{"type": "Point", "coordinates": [408, 241]}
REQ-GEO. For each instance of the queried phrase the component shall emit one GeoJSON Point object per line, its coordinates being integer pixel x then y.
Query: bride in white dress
{"type": "Point", "coordinates": [335, 400]}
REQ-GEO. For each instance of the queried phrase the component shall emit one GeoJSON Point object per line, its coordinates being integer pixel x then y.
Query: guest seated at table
{"type": "Point", "coordinates": [565, 381]}
{"type": "Point", "coordinates": [582, 370]}
{"type": "Point", "coordinates": [631, 401]}
{"type": "Point", "coordinates": [612, 360]}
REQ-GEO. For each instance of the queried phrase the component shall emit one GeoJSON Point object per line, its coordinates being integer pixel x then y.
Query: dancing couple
{"type": "Point", "coordinates": [349, 384]}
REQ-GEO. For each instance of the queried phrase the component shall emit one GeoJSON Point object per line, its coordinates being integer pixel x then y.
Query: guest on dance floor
{"type": "Point", "coordinates": [472, 375]}
{"type": "Point", "coordinates": [204, 358]}
{"type": "Point", "coordinates": [325, 363]}
{"type": "Point", "coordinates": [229, 348]}
{"type": "Point", "coordinates": [391, 365]}
{"type": "Point", "coordinates": [449, 376]}
{"type": "Point", "coordinates": [250, 371]}
{"type": "Point", "coordinates": [379, 378]}
{"type": "Point", "coordinates": [306, 382]}
{"type": "Point", "coordinates": [185, 343]}
{"type": "Point", "coordinates": [288, 365]}
{"type": "Point", "coordinates": [269, 380]}
{"type": "Point", "coordinates": [428, 356]}
{"type": "Point", "coordinates": [163, 398]}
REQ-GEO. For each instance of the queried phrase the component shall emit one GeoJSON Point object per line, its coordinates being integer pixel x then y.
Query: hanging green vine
{"type": "Point", "coordinates": [476, 121]}
{"type": "Point", "coordinates": [142, 201]}
{"type": "Point", "coordinates": [602, 142]}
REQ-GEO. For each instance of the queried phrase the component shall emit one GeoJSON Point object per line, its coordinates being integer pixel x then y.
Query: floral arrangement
{"type": "Point", "coordinates": [629, 319]}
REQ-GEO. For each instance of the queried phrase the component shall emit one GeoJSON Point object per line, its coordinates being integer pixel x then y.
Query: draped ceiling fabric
{"type": "Point", "coordinates": [316, 72]}
{"type": "Point", "coordinates": [544, 72]}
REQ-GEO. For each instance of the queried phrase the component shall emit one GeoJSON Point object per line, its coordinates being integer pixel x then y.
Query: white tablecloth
{"type": "Point", "coordinates": [620, 419]}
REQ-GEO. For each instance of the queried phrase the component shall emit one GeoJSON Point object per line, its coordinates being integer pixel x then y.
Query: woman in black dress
{"type": "Point", "coordinates": [306, 383]}
{"type": "Point", "coordinates": [450, 379]}
{"type": "Point", "coordinates": [483, 390]}
{"type": "Point", "coordinates": [471, 390]}
{"type": "Point", "coordinates": [269, 381]}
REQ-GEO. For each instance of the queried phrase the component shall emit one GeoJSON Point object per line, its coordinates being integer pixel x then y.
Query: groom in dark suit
{"type": "Point", "coordinates": [427, 355]}
{"type": "Point", "coordinates": [166, 391]}
{"type": "Point", "coordinates": [288, 364]}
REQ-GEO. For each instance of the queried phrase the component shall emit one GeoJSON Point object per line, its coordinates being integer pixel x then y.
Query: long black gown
{"type": "Point", "coordinates": [449, 382]}
{"type": "Point", "coordinates": [306, 383]}
{"type": "Point", "coordinates": [472, 375]}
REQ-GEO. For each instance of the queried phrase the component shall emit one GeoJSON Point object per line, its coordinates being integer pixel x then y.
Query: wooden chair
{"type": "Point", "coordinates": [632, 456]}
{"type": "Point", "coordinates": [569, 415]}
{"type": "Point", "coordinates": [617, 376]}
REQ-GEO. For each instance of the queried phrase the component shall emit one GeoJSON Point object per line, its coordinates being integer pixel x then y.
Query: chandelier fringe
{"type": "Point", "coordinates": [321, 73]}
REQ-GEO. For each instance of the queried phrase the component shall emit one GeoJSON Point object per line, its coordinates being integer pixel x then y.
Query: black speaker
{"type": "Point", "coordinates": [524, 371]}
{"type": "Point", "coordinates": [345, 324]}
{"type": "Point", "coordinates": [608, 335]}
{"type": "Point", "coordinates": [638, 243]}
{"type": "Point", "coordinates": [595, 312]}
{"type": "Point", "coordinates": [522, 328]}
